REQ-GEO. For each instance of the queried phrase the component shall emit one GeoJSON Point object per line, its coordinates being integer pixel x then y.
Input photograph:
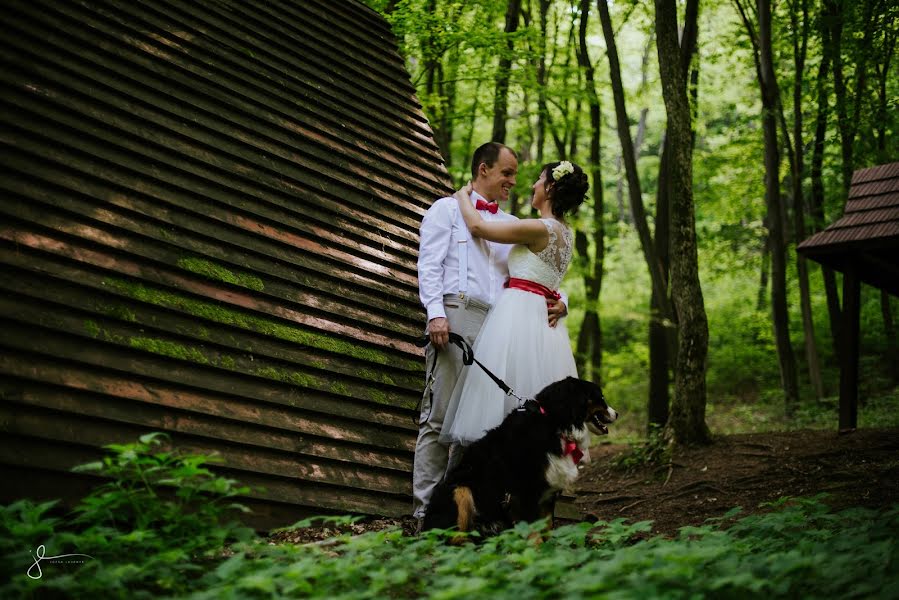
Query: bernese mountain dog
{"type": "Point", "coordinates": [517, 470]}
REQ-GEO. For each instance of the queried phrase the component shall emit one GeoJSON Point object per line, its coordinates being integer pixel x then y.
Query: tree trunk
{"type": "Point", "coordinates": [764, 270]}
{"type": "Point", "coordinates": [687, 421]}
{"type": "Point", "coordinates": [762, 55]}
{"type": "Point", "coordinates": [659, 282]}
{"type": "Point", "coordinates": [542, 110]}
{"type": "Point", "coordinates": [589, 345]}
{"type": "Point", "coordinates": [501, 99]}
{"type": "Point", "coordinates": [623, 215]}
{"type": "Point", "coordinates": [781, 319]}
{"type": "Point", "coordinates": [816, 200]}
{"type": "Point", "coordinates": [882, 69]}
{"type": "Point", "coordinates": [848, 123]}
{"type": "Point", "coordinates": [661, 331]}
{"type": "Point", "coordinates": [800, 45]}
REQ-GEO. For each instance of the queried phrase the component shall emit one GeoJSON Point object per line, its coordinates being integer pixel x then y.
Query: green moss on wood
{"type": "Point", "coordinates": [170, 349]}
{"type": "Point", "coordinates": [217, 272]}
{"type": "Point", "coordinates": [122, 313]}
{"type": "Point", "coordinates": [92, 328]}
{"type": "Point", "coordinates": [227, 316]}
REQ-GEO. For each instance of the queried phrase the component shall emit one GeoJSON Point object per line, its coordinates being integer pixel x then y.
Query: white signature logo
{"type": "Point", "coordinates": [40, 556]}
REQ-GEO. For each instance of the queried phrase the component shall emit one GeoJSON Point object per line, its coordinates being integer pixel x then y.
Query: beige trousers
{"type": "Point", "coordinates": [465, 317]}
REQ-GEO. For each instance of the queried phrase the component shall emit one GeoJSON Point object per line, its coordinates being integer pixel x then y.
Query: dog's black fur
{"type": "Point", "coordinates": [502, 477]}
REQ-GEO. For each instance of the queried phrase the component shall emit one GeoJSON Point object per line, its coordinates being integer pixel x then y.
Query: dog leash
{"type": "Point", "coordinates": [468, 358]}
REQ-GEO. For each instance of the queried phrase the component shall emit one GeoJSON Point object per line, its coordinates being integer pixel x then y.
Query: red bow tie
{"type": "Point", "coordinates": [488, 206]}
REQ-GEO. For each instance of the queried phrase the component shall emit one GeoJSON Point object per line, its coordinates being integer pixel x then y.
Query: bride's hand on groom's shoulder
{"type": "Point", "coordinates": [463, 193]}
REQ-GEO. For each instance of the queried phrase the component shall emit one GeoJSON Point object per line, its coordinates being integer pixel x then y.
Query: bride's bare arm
{"type": "Point", "coordinates": [522, 231]}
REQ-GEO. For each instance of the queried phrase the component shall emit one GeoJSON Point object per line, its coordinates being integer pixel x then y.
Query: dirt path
{"type": "Point", "coordinates": [857, 469]}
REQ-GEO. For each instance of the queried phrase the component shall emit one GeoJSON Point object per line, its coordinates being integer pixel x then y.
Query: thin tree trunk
{"type": "Point", "coordinates": [848, 123]}
{"type": "Point", "coordinates": [589, 344]}
{"type": "Point", "coordinates": [816, 200]}
{"type": "Point", "coordinates": [660, 329]}
{"type": "Point", "coordinates": [770, 99]}
{"type": "Point", "coordinates": [800, 45]}
{"type": "Point", "coordinates": [542, 110]}
{"type": "Point", "coordinates": [770, 106]}
{"type": "Point", "coordinates": [662, 332]}
{"type": "Point", "coordinates": [659, 282]}
{"type": "Point", "coordinates": [687, 420]}
{"type": "Point", "coordinates": [882, 69]}
{"type": "Point", "coordinates": [764, 270]}
{"type": "Point", "coordinates": [501, 99]}
{"type": "Point", "coordinates": [623, 215]}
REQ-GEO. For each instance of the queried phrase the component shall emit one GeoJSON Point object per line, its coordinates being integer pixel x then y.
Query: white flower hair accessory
{"type": "Point", "coordinates": [562, 169]}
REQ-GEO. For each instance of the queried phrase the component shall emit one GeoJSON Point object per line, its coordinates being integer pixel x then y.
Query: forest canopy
{"type": "Point", "coordinates": [725, 129]}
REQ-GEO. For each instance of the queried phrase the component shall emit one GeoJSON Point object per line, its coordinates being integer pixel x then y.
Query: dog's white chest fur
{"type": "Point", "coordinates": [562, 471]}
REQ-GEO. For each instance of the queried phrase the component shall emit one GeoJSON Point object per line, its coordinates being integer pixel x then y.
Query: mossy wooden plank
{"type": "Point", "coordinates": [132, 302]}
{"type": "Point", "coordinates": [126, 54]}
{"type": "Point", "coordinates": [152, 406]}
{"type": "Point", "coordinates": [275, 341]}
{"type": "Point", "coordinates": [209, 226]}
{"type": "Point", "coordinates": [343, 426]}
{"type": "Point", "coordinates": [201, 353]}
{"type": "Point", "coordinates": [51, 455]}
{"type": "Point", "coordinates": [179, 362]}
{"type": "Point", "coordinates": [34, 422]}
{"type": "Point", "coordinates": [180, 284]}
{"type": "Point", "coordinates": [251, 270]}
{"type": "Point", "coordinates": [307, 253]}
{"type": "Point", "coordinates": [274, 66]}
{"type": "Point", "coordinates": [17, 337]}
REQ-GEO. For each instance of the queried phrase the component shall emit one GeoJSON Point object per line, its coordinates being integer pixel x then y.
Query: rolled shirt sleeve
{"type": "Point", "coordinates": [435, 235]}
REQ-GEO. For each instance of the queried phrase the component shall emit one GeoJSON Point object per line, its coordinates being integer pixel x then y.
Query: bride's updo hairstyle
{"type": "Point", "coordinates": [568, 191]}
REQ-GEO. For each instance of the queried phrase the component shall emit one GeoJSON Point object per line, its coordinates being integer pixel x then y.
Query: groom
{"type": "Point", "coordinates": [459, 278]}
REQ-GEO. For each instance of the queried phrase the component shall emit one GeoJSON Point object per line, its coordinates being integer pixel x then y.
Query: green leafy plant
{"type": "Point", "coordinates": [155, 522]}
{"type": "Point", "coordinates": [159, 528]}
{"type": "Point", "coordinates": [656, 450]}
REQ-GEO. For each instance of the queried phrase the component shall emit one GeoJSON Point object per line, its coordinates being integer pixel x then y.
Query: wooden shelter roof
{"type": "Point", "coordinates": [866, 237]}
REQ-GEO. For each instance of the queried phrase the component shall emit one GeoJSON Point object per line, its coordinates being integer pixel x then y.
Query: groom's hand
{"type": "Point", "coordinates": [555, 310]}
{"type": "Point", "coordinates": [438, 330]}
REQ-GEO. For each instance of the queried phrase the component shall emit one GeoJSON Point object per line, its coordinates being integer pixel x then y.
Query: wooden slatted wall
{"type": "Point", "coordinates": [208, 226]}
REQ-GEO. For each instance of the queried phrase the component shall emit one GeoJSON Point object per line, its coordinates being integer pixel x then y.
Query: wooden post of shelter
{"type": "Point", "coordinates": [864, 245]}
{"type": "Point", "coordinates": [849, 354]}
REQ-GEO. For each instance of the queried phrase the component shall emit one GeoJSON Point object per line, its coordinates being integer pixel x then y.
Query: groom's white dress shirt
{"type": "Point", "coordinates": [442, 228]}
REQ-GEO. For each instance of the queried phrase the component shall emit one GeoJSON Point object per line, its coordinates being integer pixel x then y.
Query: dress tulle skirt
{"type": "Point", "coordinates": [517, 344]}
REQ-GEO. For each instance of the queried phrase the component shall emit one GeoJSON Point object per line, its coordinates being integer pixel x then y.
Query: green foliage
{"type": "Point", "coordinates": [150, 528]}
{"type": "Point", "coordinates": [459, 44]}
{"type": "Point", "coordinates": [656, 450]}
{"type": "Point", "coordinates": [156, 529]}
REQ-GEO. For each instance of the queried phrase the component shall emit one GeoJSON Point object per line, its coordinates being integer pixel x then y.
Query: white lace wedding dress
{"type": "Point", "coordinates": [516, 343]}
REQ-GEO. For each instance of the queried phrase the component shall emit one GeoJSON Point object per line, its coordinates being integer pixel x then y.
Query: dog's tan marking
{"type": "Point", "coordinates": [465, 505]}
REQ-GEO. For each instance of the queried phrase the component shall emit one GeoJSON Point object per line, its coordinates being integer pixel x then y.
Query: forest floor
{"type": "Point", "coordinates": [745, 470]}
{"type": "Point", "coordinates": [694, 484]}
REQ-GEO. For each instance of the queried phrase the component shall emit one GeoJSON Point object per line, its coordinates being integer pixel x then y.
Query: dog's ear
{"type": "Point", "coordinates": [566, 400]}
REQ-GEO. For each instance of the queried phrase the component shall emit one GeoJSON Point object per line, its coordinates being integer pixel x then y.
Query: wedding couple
{"type": "Point", "coordinates": [493, 279]}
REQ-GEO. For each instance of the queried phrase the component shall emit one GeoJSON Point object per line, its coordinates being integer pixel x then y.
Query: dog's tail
{"type": "Point", "coordinates": [466, 510]}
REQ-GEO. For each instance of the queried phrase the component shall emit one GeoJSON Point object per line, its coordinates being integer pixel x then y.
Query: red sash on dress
{"type": "Point", "coordinates": [533, 287]}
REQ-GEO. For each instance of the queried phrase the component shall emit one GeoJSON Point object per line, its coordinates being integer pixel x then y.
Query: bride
{"type": "Point", "coordinates": [516, 341]}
